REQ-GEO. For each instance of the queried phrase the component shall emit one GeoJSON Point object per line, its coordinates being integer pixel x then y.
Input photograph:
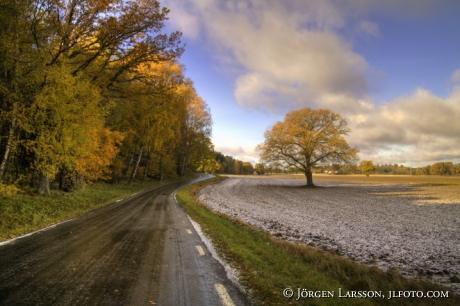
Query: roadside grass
{"type": "Point", "coordinates": [26, 211]}
{"type": "Point", "coordinates": [268, 265]}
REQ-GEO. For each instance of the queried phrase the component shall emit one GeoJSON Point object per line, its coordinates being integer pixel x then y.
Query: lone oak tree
{"type": "Point", "coordinates": [307, 138]}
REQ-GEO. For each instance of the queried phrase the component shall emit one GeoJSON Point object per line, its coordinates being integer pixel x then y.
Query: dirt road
{"type": "Point", "coordinates": [142, 250]}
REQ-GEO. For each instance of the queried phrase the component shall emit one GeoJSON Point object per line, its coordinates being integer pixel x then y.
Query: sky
{"type": "Point", "coordinates": [391, 68]}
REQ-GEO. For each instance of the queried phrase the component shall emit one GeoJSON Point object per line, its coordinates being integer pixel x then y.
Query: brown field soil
{"type": "Point", "coordinates": [409, 223]}
{"type": "Point", "coordinates": [362, 179]}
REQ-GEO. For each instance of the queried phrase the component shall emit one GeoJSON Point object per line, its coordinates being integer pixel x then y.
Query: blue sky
{"type": "Point", "coordinates": [391, 68]}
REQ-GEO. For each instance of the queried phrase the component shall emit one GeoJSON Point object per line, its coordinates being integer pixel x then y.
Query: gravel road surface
{"type": "Point", "coordinates": [413, 228]}
{"type": "Point", "coordinates": [142, 250]}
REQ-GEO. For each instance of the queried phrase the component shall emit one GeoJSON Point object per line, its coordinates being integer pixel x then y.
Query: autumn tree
{"type": "Point", "coordinates": [421, 171]}
{"type": "Point", "coordinates": [18, 79]}
{"type": "Point", "coordinates": [307, 138]}
{"type": "Point", "coordinates": [442, 168]}
{"type": "Point", "coordinates": [246, 168]}
{"type": "Point", "coordinates": [148, 116]}
{"type": "Point", "coordinates": [236, 166]}
{"type": "Point", "coordinates": [260, 168]}
{"type": "Point", "coordinates": [95, 162]}
{"type": "Point", "coordinates": [68, 126]}
{"type": "Point", "coordinates": [166, 124]}
{"type": "Point", "coordinates": [195, 127]}
{"type": "Point", "coordinates": [54, 52]}
{"type": "Point", "coordinates": [205, 151]}
{"type": "Point", "coordinates": [220, 160]}
{"type": "Point", "coordinates": [366, 167]}
{"type": "Point", "coordinates": [104, 39]}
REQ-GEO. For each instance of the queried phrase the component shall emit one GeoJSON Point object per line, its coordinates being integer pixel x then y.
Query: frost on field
{"type": "Point", "coordinates": [413, 228]}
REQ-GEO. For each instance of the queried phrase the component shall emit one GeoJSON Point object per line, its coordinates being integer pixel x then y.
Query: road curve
{"type": "Point", "coordinates": [142, 250]}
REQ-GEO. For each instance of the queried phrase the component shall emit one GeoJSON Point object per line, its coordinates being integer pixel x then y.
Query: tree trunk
{"type": "Point", "coordinates": [44, 185]}
{"type": "Point", "coordinates": [146, 170]}
{"type": "Point", "coordinates": [9, 144]}
{"type": "Point", "coordinates": [76, 182]}
{"type": "Point", "coordinates": [161, 168]}
{"type": "Point", "coordinates": [129, 162]}
{"type": "Point", "coordinates": [177, 167]}
{"type": "Point", "coordinates": [62, 181]}
{"type": "Point", "coordinates": [133, 174]}
{"type": "Point", "coordinates": [202, 164]}
{"type": "Point", "coordinates": [309, 177]}
{"type": "Point", "coordinates": [183, 167]}
{"type": "Point", "coordinates": [15, 101]}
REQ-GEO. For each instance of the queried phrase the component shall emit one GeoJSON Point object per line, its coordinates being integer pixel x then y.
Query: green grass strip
{"type": "Point", "coordinates": [268, 265]}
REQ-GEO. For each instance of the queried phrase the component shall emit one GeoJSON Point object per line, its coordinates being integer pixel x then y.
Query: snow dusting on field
{"type": "Point", "coordinates": [413, 228]}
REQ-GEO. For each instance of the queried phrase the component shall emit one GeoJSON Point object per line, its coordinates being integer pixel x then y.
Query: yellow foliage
{"type": "Point", "coordinates": [367, 166]}
{"type": "Point", "coordinates": [8, 189]}
{"type": "Point", "coordinates": [307, 138]}
{"type": "Point", "coordinates": [100, 154]}
{"type": "Point", "coordinates": [64, 114]}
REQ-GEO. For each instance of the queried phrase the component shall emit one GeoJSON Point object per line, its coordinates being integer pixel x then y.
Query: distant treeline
{"type": "Point", "coordinates": [440, 168]}
{"type": "Point", "coordinates": [220, 163]}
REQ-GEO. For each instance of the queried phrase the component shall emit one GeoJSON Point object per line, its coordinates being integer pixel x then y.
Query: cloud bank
{"type": "Point", "coordinates": [292, 54]}
{"type": "Point", "coordinates": [240, 153]}
{"type": "Point", "coordinates": [418, 129]}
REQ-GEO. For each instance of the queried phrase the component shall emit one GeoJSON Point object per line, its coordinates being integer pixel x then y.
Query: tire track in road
{"type": "Point", "coordinates": [133, 252]}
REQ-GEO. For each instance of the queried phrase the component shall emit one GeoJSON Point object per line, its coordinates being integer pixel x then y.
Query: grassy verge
{"type": "Point", "coordinates": [23, 213]}
{"type": "Point", "coordinates": [269, 265]}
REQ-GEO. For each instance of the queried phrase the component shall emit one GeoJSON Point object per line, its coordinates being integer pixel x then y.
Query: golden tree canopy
{"type": "Point", "coordinates": [307, 138]}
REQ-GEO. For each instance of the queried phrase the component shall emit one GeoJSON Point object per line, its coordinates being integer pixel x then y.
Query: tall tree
{"type": "Point", "coordinates": [67, 122]}
{"type": "Point", "coordinates": [149, 115]}
{"type": "Point", "coordinates": [236, 166]}
{"type": "Point", "coordinates": [260, 168]}
{"type": "Point", "coordinates": [195, 128]}
{"type": "Point", "coordinates": [110, 36]}
{"type": "Point", "coordinates": [307, 138]}
{"type": "Point", "coordinates": [18, 75]}
{"type": "Point", "coordinates": [102, 44]}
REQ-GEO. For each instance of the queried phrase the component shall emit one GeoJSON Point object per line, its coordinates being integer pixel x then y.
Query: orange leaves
{"type": "Point", "coordinates": [306, 138]}
{"type": "Point", "coordinates": [65, 63]}
{"type": "Point", "coordinates": [100, 154]}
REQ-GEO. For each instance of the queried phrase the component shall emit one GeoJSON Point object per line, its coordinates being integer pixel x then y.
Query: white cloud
{"type": "Point", "coordinates": [184, 18]}
{"type": "Point", "coordinates": [246, 154]}
{"type": "Point", "coordinates": [456, 76]}
{"type": "Point", "coordinates": [288, 51]}
{"type": "Point", "coordinates": [290, 54]}
{"type": "Point", "coordinates": [419, 129]}
{"type": "Point", "coordinates": [285, 64]}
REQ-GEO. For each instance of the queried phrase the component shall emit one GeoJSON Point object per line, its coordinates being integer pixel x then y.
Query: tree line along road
{"type": "Point", "coordinates": [142, 250]}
